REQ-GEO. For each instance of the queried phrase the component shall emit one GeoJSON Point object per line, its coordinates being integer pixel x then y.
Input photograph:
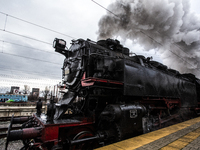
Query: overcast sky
{"type": "Point", "coordinates": [32, 60]}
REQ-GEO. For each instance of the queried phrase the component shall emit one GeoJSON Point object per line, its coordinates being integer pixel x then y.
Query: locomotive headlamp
{"type": "Point", "coordinates": [59, 43]}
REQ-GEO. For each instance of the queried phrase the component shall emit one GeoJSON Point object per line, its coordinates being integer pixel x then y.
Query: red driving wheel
{"type": "Point", "coordinates": [83, 146]}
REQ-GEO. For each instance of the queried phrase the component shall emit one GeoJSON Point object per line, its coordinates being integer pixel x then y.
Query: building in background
{"type": "Point", "coordinates": [14, 90]}
{"type": "Point", "coordinates": [35, 92]}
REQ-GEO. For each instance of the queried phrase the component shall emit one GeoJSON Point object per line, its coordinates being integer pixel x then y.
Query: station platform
{"type": "Point", "coordinates": [181, 136]}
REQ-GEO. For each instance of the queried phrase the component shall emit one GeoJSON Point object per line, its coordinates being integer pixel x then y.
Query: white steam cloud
{"type": "Point", "coordinates": [165, 25]}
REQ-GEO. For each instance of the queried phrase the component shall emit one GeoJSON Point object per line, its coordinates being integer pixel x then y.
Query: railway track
{"type": "Point", "coordinates": [4, 124]}
{"type": "Point", "coordinates": [5, 118]}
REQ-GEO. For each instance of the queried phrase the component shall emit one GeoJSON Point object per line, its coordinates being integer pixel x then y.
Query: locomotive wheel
{"type": "Point", "coordinates": [57, 147]}
{"type": "Point", "coordinates": [83, 146]}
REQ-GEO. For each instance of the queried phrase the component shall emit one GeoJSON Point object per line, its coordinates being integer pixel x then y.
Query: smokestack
{"type": "Point", "coordinates": [168, 26]}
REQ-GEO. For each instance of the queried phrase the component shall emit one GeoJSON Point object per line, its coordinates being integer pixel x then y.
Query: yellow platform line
{"type": "Point", "coordinates": [183, 141]}
{"type": "Point", "coordinates": [147, 138]}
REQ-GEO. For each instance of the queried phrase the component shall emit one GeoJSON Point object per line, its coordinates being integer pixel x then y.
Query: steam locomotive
{"type": "Point", "coordinates": [111, 95]}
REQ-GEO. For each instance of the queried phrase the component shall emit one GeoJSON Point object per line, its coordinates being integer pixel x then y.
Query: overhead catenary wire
{"type": "Point", "coordinates": [13, 80]}
{"type": "Point", "coordinates": [37, 25]}
{"type": "Point", "coordinates": [28, 82]}
{"type": "Point", "coordinates": [106, 9]}
{"type": "Point", "coordinates": [30, 58]}
{"type": "Point", "coordinates": [26, 78]}
{"type": "Point", "coordinates": [24, 82]}
{"type": "Point", "coordinates": [25, 36]}
{"type": "Point", "coordinates": [17, 34]}
{"type": "Point", "coordinates": [27, 71]}
{"type": "Point", "coordinates": [23, 79]}
{"type": "Point", "coordinates": [29, 47]}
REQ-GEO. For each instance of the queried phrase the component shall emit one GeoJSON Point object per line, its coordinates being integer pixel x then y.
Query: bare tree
{"type": "Point", "coordinates": [26, 89]}
{"type": "Point", "coordinates": [46, 92]}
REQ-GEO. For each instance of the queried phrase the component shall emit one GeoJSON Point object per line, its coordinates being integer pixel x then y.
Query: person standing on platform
{"type": "Point", "coordinates": [51, 109]}
{"type": "Point", "coordinates": [39, 107]}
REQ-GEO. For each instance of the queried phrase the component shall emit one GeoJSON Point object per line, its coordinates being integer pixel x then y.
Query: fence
{"type": "Point", "coordinates": [19, 109]}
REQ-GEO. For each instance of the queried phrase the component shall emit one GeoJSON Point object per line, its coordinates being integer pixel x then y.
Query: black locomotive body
{"type": "Point", "coordinates": [110, 96]}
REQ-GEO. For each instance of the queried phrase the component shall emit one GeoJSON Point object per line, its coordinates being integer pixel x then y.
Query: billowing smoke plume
{"type": "Point", "coordinates": [167, 26]}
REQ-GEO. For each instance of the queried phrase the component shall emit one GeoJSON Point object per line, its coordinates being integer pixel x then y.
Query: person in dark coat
{"type": "Point", "coordinates": [39, 107]}
{"type": "Point", "coordinates": [51, 108]}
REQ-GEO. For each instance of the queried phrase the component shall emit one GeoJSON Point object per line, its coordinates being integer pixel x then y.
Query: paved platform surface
{"type": "Point", "coordinates": [181, 136]}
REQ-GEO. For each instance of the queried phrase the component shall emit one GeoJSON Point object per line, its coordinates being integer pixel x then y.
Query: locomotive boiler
{"type": "Point", "coordinates": [111, 95]}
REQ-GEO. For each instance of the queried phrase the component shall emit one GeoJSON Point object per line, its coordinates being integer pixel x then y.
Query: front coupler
{"type": "Point", "coordinates": [22, 134]}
